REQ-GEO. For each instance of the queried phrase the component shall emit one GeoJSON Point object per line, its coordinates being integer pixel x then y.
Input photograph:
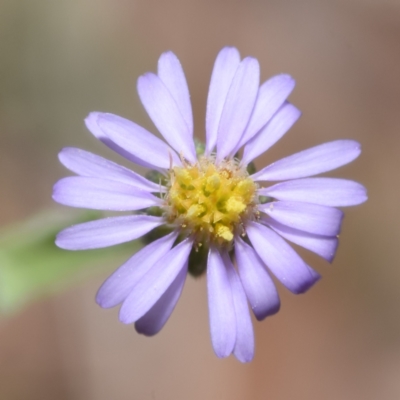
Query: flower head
{"type": "Point", "coordinates": [208, 200]}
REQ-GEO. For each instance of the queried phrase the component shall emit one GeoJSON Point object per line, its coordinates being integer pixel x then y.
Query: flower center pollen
{"type": "Point", "coordinates": [210, 200]}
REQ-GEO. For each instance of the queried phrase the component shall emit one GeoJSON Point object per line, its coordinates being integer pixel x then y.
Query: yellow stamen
{"type": "Point", "coordinates": [224, 232]}
{"type": "Point", "coordinates": [209, 198]}
{"type": "Point", "coordinates": [235, 206]}
{"type": "Point", "coordinates": [212, 183]}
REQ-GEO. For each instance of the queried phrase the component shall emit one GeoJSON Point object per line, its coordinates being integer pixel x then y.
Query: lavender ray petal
{"type": "Point", "coordinates": [154, 320]}
{"type": "Point", "coordinates": [106, 232]}
{"type": "Point", "coordinates": [259, 287]}
{"type": "Point", "coordinates": [166, 115]}
{"type": "Point", "coordinates": [313, 161]}
{"type": "Point", "coordinates": [280, 123]}
{"type": "Point", "coordinates": [101, 194]}
{"type": "Point", "coordinates": [138, 141]}
{"type": "Point", "coordinates": [281, 259]}
{"type": "Point", "coordinates": [324, 191]}
{"type": "Point", "coordinates": [91, 122]}
{"type": "Point", "coordinates": [224, 70]}
{"type": "Point", "coordinates": [244, 345]}
{"type": "Point", "coordinates": [171, 73]}
{"type": "Point", "coordinates": [271, 96]}
{"type": "Point", "coordinates": [238, 107]}
{"type": "Point", "coordinates": [220, 305]}
{"type": "Point", "coordinates": [311, 218]}
{"type": "Point", "coordinates": [117, 286]}
{"type": "Point", "coordinates": [324, 246]}
{"type": "Point", "coordinates": [154, 283]}
{"type": "Point", "coordinates": [87, 164]}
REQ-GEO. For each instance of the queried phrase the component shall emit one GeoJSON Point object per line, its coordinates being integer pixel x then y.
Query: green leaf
{"type": "Point", "coordinates": [32, 266]}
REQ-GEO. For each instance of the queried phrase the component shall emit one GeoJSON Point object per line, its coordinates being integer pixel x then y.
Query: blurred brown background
{"type": "Point", "coordinates": [61, 59]}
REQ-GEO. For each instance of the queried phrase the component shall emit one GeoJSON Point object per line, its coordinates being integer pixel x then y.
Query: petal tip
{"type": "Point", "coordinates": [92, 118]}
{"type": "Point", "coordinates": [139, 329]}
{"type": "Point", "coordinates": [287, 79]}
{"type": "Point", "coordinates": [269, 312]}
{"type": "Point", "coordinates": [123, 317]}
{"type": "Point", "coordinates": [141, 82]}
{"type": "Point", "coordinates": [222, 353]}
{"type": "Point", "coordinates": [55, 193]}
{"type": "Point", "coordinates": [167, 54]}
{"type": "Point", "coordinates": [330, 258]}
{"type": "Point", "coordinates": [230, 49]}
{"type": "Point", "coordinates": [252, 62]}
{"type": "Point", "coordinates": [314, 278]}
{"type": "Point", "coordinates": [357, 147]}
{"type": "Point", "coordinates": [60, 243]}
{"type": "Point", "coordinates": [64, 150]}
{"type": "Point", "coordinates": [100, 300]}
{"type": "Point", "coordinates": [245, 358]}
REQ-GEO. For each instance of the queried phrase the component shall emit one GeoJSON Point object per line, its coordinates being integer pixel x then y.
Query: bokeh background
{"type": "Point", "coordinates": [62, 59]}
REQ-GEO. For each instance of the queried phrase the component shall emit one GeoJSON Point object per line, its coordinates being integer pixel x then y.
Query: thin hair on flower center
{"type": "Point", "coordinates": [211, 200]}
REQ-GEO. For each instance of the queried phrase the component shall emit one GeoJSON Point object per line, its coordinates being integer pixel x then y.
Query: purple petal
{"type": "Point", "coordinates": [155, 282]}
{"type": "Point", "coordinates": [281, 259]}
{"type": "Point", "coordinates": [90, 165]}
{"type": "Point", "coordinates": [324, 246]}
{"type": "Point", "coordinates": [271, 96]}
{"type": "Point", "coordinates": [166, 115]}
{"type": "Point", "coordinates": [244, 346]}
{"type": "Point", "coordinates": [325, 191]}
{"type": "Point", "coordinates": [220, 305]}
{"type": "Point", "coordinates": [259, 287]}
{"type": "Point", "coordinates": [171, 73]}
{"type": "Point", "coordinates": [311, 218]}
{"type": "Point", "coordinates": [101, 194]}
{"type": "Point", "coordinates": [145, 147]}
{"type": "Point", "coordinates": [91, 122]}
{"type": "Point", "coordinates": [106, 232]}
{"type": "Point", "coordinates": [280, 123]}
{"type": "Point", "coordinates": [153, 321]}
{"type": "Point", "coordinates": [238, 107]}
{"type": "Point", "coordinates": [316, 160]}
{"type": "Point", "coordinates": [224, 70]}
{"type": "Point", "coordinates": [118, 286]}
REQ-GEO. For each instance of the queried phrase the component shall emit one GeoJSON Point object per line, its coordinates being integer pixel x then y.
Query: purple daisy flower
{"type": "Point", "coordinates": [208, 200]}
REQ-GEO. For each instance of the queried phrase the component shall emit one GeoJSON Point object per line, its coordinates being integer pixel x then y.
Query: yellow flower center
{"type": "Point", "coordinates": [210, 200]}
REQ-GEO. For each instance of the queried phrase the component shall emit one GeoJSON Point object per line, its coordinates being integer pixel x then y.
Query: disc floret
{"type": "Point", "coordinates": [211, 200]}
